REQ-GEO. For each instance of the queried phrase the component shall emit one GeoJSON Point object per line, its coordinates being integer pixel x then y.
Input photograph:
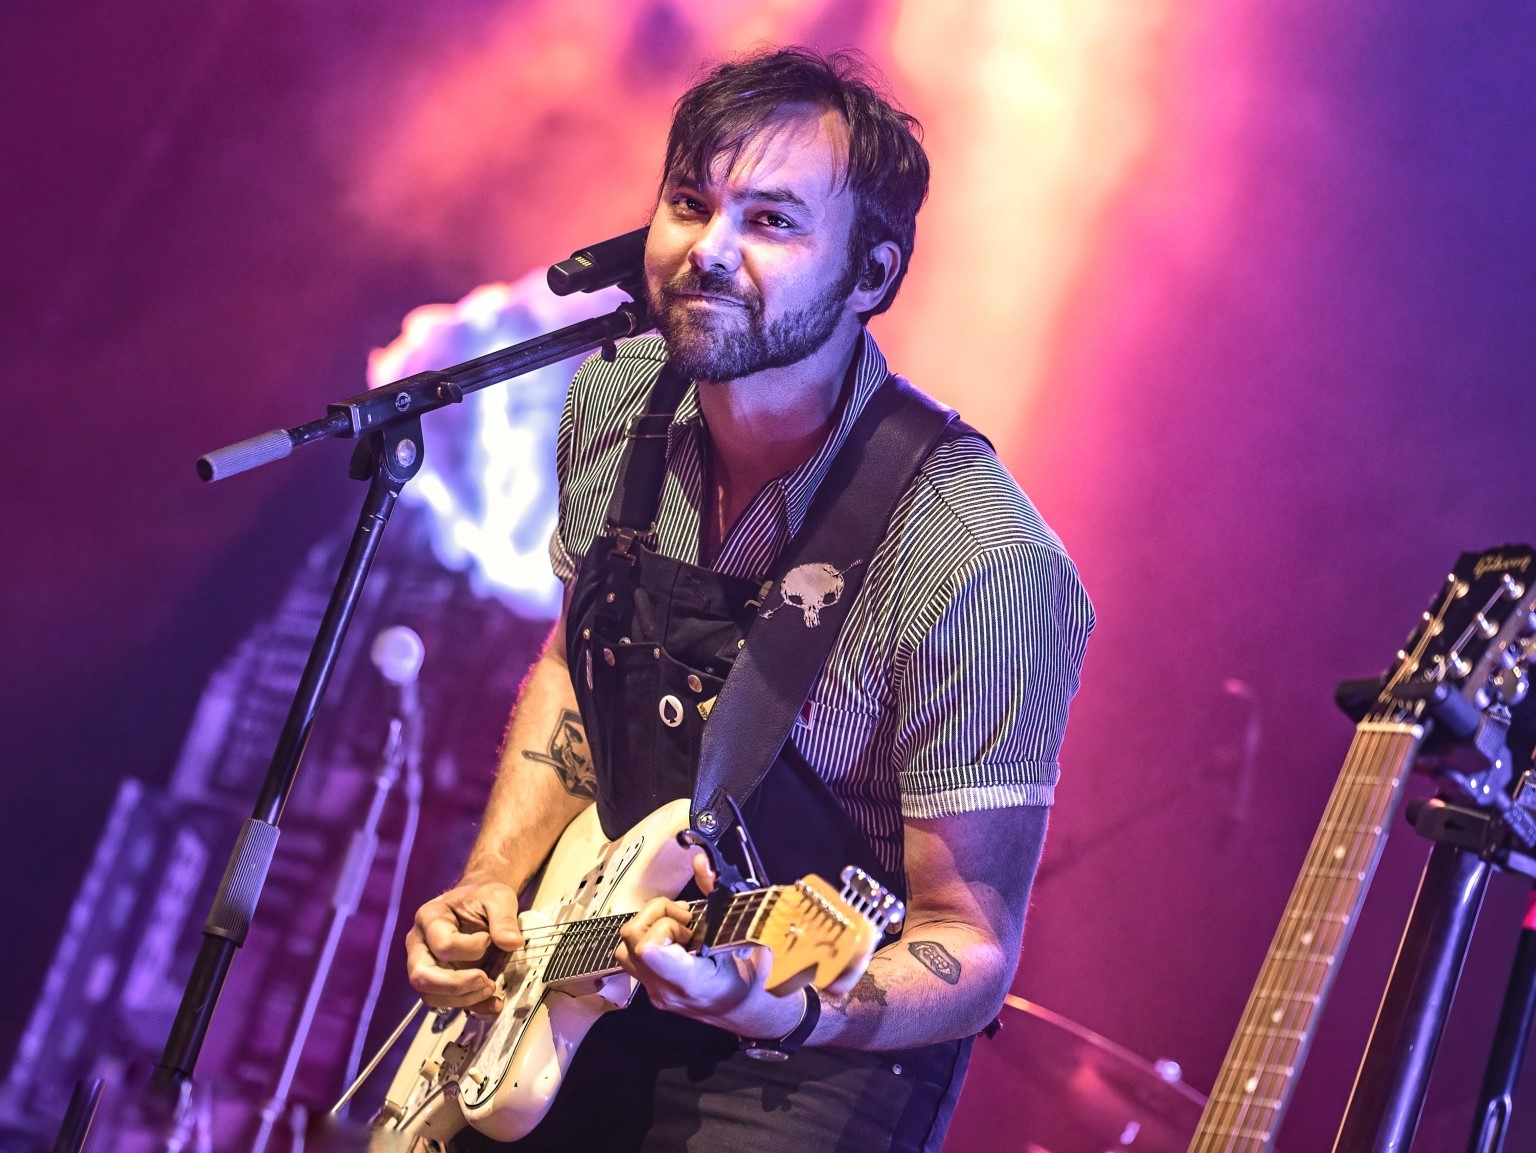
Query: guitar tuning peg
{"type": "Point", "coordinates": [1510, 686]}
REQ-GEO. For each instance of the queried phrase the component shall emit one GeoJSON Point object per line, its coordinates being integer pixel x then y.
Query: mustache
{"type": "Point", "coordinates": [710, 283]}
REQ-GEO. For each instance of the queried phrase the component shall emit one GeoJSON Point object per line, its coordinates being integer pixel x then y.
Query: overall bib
{"type": "Point", "coordinates": [651, 639]}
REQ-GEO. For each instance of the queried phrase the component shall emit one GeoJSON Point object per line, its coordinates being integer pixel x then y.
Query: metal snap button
{"type": "Point", "coordinates": [694, 683]}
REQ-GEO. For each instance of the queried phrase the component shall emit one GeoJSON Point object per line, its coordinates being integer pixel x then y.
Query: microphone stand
{"type": "Point", "coordinates": [400, 760]}
{"type": "Point", "coordinates": [386, 422]}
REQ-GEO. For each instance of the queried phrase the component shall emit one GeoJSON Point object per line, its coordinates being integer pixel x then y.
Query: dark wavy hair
{"type": "Point", "coordinates": [887, 169]}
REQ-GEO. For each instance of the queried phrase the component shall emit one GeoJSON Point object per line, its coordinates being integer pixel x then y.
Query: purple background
{"type": "Point", "coordinates": [1264, 448]}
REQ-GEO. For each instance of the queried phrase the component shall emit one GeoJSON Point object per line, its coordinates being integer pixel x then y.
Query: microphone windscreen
{"type": "Point", "coordinates": [398, 653]}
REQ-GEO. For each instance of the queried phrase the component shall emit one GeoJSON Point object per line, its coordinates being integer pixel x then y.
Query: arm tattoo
{"type": "Point", "coordinates": [868, 989]}
{"type": "Point", "coordinates": [937, 960]}
{"type": "Point", "coordinates": [569, 757]}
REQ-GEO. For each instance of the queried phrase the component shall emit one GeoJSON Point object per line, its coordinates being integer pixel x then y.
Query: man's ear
{"type": "Point", "coordinates": [875, 275]}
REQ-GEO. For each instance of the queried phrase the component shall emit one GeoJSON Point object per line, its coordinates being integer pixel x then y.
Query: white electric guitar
{"type": "Point", "coordinates": [500, 1073]}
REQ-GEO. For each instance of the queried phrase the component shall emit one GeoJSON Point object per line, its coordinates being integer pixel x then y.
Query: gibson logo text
{"type": "Point", "coordinates": [1498, 562]}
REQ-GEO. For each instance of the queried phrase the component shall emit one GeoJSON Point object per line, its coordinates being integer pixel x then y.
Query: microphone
{"type": "Point", "coordinates": [600, 265]}
{"type": "Point", "coordinates": [398, 655]}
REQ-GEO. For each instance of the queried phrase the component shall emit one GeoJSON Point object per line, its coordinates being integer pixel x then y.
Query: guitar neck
{"type": "Point", "coordinates": [1259, 1072]}
{"type": "Point", "coordinates": [586, 947]}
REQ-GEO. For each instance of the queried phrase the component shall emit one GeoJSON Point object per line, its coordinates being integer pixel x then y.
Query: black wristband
{"type": "Point", "coordinates": [781, 1048]}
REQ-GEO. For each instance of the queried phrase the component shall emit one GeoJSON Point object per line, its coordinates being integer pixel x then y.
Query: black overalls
{"type": "Point", "coordinates": [650, 640]}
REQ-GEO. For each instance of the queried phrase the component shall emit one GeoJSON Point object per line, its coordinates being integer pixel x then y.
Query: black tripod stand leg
{"type": "Point", "coordinates": [1388, 1096]}
{"type": "Point", "coordinates": [388, 459]}
{"type": "Point", "coordinates": [1491, 1120]}
{"type": "Point", "coordinates": [78, 1116]}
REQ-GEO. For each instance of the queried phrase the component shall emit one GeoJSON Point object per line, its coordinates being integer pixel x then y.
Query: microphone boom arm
{"type": "Point", "coordinates": [390, 404]}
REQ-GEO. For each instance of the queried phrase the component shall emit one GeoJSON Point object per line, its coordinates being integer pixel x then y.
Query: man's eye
{"type": "Point", "coordinates": [774, 220]}
{"type": "Point", "coordinates": [687, 203]}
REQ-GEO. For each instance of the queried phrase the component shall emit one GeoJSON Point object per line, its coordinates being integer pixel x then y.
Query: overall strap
{"type": "Point", "coordinates": [788, 643]}
{"type": "Point", "coordinates": [637, 490]}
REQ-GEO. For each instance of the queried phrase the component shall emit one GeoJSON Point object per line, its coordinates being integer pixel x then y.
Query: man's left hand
{"type": "Point", "coordinates": [653, 949]}
{"type": "Point", "coordinates": [725, 989]}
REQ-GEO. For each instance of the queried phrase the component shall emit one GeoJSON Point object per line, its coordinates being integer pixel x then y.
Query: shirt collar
{"type": "Point", "coordinates": [796, 488]}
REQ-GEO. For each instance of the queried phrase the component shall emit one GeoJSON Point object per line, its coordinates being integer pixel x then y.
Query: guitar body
{"type": "Point", "coordinates": [500, 1074]}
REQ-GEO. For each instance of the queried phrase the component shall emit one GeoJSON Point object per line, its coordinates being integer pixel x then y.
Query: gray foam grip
{"type": "Point", "coordinates": [245, 455]}
{"type": "Point", "coordinates": [235, 903]}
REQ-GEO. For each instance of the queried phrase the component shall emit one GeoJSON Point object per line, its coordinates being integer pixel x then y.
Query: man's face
{"type": "Point", "coordinates": [748, 269]}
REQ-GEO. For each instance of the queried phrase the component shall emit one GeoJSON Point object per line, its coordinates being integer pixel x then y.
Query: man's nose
{"type": "Point", "coordinates": [718, 249]}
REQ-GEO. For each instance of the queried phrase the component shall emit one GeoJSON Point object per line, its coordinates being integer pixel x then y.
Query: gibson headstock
{"type": "Point", "coordinates": [1471, 651]}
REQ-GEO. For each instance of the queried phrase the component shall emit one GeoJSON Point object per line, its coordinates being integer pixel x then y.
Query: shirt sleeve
{"type": "Point", "coordinates": [983, 698]}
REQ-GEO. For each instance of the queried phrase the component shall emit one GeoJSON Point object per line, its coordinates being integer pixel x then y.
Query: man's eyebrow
{"type": "Point", "coordinates": [773, 196]}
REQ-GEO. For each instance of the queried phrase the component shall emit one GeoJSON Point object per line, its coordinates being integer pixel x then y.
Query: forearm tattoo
{"type": "Point", "coordinates": [868, 989]}
{"type": "Point", "coordinates": [569, 756]}
{"type": "Point", "coordinates": [937, 960]}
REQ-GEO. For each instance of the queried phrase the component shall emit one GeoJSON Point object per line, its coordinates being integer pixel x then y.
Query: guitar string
{"type": "Point", "coordinates": [1370, 802]}
{"type": "Point", "coordinates": [545, 942]}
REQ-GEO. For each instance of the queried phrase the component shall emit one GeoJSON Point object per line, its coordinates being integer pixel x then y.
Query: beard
{"type": "Point", "coordinates": [727, 344]}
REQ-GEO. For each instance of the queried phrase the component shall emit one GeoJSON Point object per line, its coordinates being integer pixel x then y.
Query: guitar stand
{"type": "Point", "coordinates": [1478, 826]}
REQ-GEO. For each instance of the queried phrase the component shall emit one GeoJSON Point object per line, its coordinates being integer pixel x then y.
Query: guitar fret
{"type": "Point", "coordinates": [732, 919]}
{"type": "Point", "coordinates": [1345, 826]}
{"type": "Point", "coordinates": [1293, 957]}
{"type": "Point", "coordinates": [1262, 1031]}
{"type": "Point", "coordinates": [1314, 915]}
{"type": "Point", "coordinates": [1247, 1134]}
{"type": "Point", "coordinates": [1334, 874]}
{"type": "Point", "coordinates": [1248, 1099]}
{"type": "Point", "coordinates": [585, 947]}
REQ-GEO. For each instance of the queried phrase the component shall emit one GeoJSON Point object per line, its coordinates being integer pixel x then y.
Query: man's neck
{"type": "Point", "coordinates": [768, 424]}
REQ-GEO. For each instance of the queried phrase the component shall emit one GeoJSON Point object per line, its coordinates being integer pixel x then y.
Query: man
{"type": "Point", "coordinates": [928, 746]}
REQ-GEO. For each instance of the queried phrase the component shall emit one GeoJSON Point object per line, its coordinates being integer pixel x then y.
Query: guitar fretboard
{"type": "Point", "coordinates": [586, 947]}
{"type": "Point", "coordinates": [1259, 1071]}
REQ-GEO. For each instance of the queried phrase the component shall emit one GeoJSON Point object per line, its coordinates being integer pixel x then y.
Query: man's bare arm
{"type": "Point", "coordinates": [544, 778]}
{"type": "Point", "coordinates": [968, 879]}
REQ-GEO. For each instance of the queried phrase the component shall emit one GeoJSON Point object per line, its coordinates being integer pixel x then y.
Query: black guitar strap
{"type": "Point", "coordinates": [808, 594]}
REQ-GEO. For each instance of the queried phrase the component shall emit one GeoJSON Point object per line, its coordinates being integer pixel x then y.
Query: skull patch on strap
{"type": "Point", "coordinates": [810, 588]}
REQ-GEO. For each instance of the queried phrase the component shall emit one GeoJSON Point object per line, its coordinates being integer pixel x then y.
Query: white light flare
{"type": "Point", "coordinates": [489, 474]}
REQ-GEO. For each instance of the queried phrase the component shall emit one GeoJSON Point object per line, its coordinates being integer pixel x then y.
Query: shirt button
{"type": "Point", "coordinates": [896, 1069]}
{"type": "Point", "coordinates": [694, 683]}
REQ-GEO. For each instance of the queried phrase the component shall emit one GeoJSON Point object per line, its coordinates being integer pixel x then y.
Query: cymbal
{"type": "Point", "coordinates": [1045, 1084]}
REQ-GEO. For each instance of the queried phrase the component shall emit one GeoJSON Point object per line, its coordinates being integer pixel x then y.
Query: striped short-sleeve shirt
{"type": "Point", "coordinates": [947, 689]}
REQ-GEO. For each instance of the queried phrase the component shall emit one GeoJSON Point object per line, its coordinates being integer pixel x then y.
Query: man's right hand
{"type": "Point", "coordinates": [451, 936]}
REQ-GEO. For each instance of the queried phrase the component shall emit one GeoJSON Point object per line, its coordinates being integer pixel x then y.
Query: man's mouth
{"type": "Point", "coordinates": [705, 298]}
